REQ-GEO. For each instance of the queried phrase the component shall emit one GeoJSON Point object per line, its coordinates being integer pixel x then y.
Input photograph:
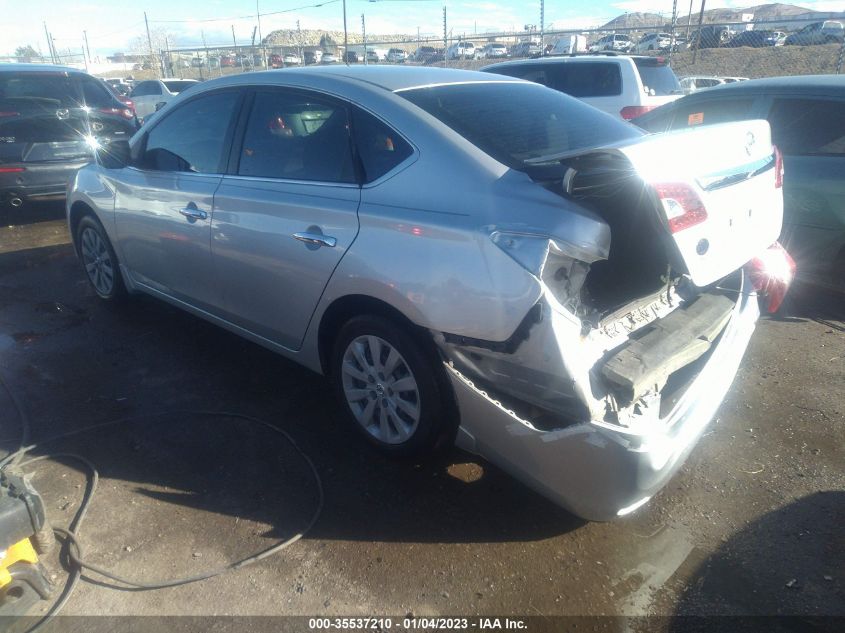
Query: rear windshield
{"type": "Point", "coordinates": [517, 122]}
{"type": "Point", "coordinates": [583, 79]}
{"type": "Point", "coordinates": [178, 86]}
{"type": "Point", "coordinates": [658, 77]}
{"type": "Point", "coordinates": [52, 90]}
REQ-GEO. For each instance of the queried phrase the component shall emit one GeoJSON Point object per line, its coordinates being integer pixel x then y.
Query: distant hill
{"type": "Point", "coordinates": [761, 12]}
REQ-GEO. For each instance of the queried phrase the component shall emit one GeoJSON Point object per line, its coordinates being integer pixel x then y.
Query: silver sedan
{"type": "Point", "coordinates": [469, 258]}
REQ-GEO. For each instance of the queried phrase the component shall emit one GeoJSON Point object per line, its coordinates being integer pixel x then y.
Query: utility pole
{"type": "Point", "coordinates": [299, 42]}
{"type": "Point", "coordinates": [689, 21]}
{"type": "Point", "coordinates": [234, 41]}
{"type": "Point", "coordinates": [345, 36]}
{"type": "Point", "coordinates": [170, 59]}
{"type": "Point", "coordinates": [672, 31]}
{"type": "Point", "coordinates": [84, 58]}
{"type": "Point", "coordinates": [149, 39]}
{"type": "Point", "coordinates": [205, 46]}
{"type": "Point", "coordinates": [698, 39]}
{"type": "Point", "coordinates": [260, 39]}
{"type": "Point", "coordinates": [445, 42]}
{"type": "Point", "coordinates": [364, 30]}
{"type": "Point", "coordinates": [543, 26]}
{"type": "Point", "coordinates": [49, 44]}
{"type": "Point", "coordinates": [87, 50]}
{"type": "Point", "coordinates": [252, 43]}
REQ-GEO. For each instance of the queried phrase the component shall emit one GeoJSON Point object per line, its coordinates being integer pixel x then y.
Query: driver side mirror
{"type": "Point", "coordinates": [113, 155]}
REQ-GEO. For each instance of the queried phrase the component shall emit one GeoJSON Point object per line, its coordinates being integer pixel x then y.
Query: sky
{"type": "Point", "coordinates": [117, 25]}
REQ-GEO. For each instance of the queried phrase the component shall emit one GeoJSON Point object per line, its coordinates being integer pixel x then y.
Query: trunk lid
{"type": "Point", "coordinates": [717, 192]}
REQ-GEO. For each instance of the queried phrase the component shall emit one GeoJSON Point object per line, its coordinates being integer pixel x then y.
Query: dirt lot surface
{"type": "Point", "coordinates": [751, 525]}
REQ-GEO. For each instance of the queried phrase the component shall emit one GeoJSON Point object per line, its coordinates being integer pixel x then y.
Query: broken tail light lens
{"type": "Point", "coordinates": [681, 204]}
{"type": "Point", "coordinates": [771, 274]}
{"type": "Point", "coordinates": [632, 112]}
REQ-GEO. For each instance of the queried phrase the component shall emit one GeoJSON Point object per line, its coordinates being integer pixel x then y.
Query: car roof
{"type": "Point", "coordinates": [390, 78]}
{"type": "Point", "coordinates": [566, 59]}
{"type": "Point", "coordinates": [803, 84]}
{"type": "Point", "coordinates": [36, 68]}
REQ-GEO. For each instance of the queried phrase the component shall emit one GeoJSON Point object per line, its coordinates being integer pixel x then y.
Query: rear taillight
{"type": "Point", "coordinates": [126, 113]}
{"type": "Point", "coordinates": [632, 112]}
{"type": "Point", "coordinates": [9, 114]}
{"type": "Point", "coordinates": [681, 204]}
{"type": "Point", "coordinates": [11, 170]}
{"type": "Point", "coordinates": [778, 168]}
{"type": "Point", "coordinates": [771, 274]}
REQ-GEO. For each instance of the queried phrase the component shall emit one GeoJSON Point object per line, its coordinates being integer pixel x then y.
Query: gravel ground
{"type": "Point", "coordinates": [751, 525]}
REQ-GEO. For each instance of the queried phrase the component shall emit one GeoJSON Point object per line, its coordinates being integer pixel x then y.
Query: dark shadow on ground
{"type": "Point", "coordinates": [798, 587]}
{"type": "Point", "coordinates": [32, 213]}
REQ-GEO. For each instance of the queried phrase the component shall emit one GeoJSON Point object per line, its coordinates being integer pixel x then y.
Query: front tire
{"type": "Point", "coordinates": [99, 260]}
{"type": "Point", "coordinates": [392, 387]}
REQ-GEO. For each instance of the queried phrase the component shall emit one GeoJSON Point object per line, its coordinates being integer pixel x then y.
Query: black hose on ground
{"type": "Point", "coordinates": [74, 551]}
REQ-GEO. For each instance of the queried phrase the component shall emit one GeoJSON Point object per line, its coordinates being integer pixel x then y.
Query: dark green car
{"type": "Point", "coordinates": [807, 116]}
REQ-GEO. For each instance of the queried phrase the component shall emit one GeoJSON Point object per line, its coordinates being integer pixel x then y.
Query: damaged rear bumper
{"type": "Point", "coordinates": [597, 470]}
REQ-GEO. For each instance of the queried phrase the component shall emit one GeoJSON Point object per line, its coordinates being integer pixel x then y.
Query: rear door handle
{"type": "Point", "coordinates": [193, 214]}
{"type": "Point", "coordinates": [317, 239]}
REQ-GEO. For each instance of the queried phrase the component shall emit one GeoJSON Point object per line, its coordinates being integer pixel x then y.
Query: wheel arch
{"type": "Point", "coordinates": [349, 306]}
{"type": "Point", "coordinates": [77, 211]}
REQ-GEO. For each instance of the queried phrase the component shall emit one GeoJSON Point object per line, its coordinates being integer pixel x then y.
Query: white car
{"type": "Point", "coordinates": [691, 84]}
{"type": "Point", "coordinates": [461, 50]}
{"type": "Point", "coordinates": [653, 42]}
{"type": "Point", "coordinates": [397, 55]}
{"type": "Point", "coordinates": [493, 50]}
{"type": "Point", "coordinates": [147, 95]}
{"type": "Point", "coordinates": [624, 86]}
{"type": "Point", "coordinates": [616, 42]}
{"type": "Point", "coordinates": [291, 59]}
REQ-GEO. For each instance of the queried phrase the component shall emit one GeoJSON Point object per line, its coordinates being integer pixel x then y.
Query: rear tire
{"type": "Point", "coordinates": [392, 387]}
{"type": "Point", "coordinates": [99, 260]}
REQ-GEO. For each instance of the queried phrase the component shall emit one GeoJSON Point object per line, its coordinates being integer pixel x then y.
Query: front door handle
{"type": "Point", "coordinates": [193, 214]}
{"type": "Point", "coordinates": [317, 239]}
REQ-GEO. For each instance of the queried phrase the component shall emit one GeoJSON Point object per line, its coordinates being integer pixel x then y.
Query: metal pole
{"type": "Point", "coordinates": [205, 46]}
{"type": "Point", "coordinates": [49, 44]}
{"type": "Point", "coordinates": [260, 39]}
{"type": "Point", "coordinates": [87, 50]}
{"type": "Point", "coordinates": [364, 30]}
{"type": "Point", "coordinates": [445, 43]}
{"type": "Point", "coordinates": [149, 39]}
{"type": "Point", "coordinates": [85, 59]}
{"type": "Point", "coordinates": [689, 21]}
{"type": "Point", "coordinates": [299, 42]}
{"type": "Point", "coordinates": [841, 57]}
{"type": "Point", "coordinates": [698, 38]}
{"type": "Point", "coordinates": [345, 37]}
{"type": "Point", "coordinates": [543, 27]}
{"type": "Point", "coordinates": [672, 31]}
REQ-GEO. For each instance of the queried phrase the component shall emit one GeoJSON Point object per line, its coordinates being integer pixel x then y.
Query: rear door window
{"type": "Point", "coordinates": [658, 77]}
{"type": "Point", "coordinates": [588, 79]}
{"type": "Point", "coordinates": [808, 126]}
{"type": "Point", "coordinates": [379, 147]}
{"type": "Point", "coordinates": [194, 137]}
{"type": "Point", "coordinates": [297, 136]}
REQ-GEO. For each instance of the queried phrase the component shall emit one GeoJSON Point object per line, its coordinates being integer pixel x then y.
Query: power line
{"type": "Point", "coordinates": [248, 17]}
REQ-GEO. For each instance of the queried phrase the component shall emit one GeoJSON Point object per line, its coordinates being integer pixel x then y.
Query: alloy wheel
{"type": "Point", "coordinates": [380, 389]}
{"type": "Point", "coordinates": [98, 262]}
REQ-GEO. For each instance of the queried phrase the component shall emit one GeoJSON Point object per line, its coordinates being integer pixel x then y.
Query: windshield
{"type": "Point", "coordinates": [517, 122]}
{"type": "Point", "coordinates": [658, 77]}
{"type": "Point", "coordinates": [178, 86]}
